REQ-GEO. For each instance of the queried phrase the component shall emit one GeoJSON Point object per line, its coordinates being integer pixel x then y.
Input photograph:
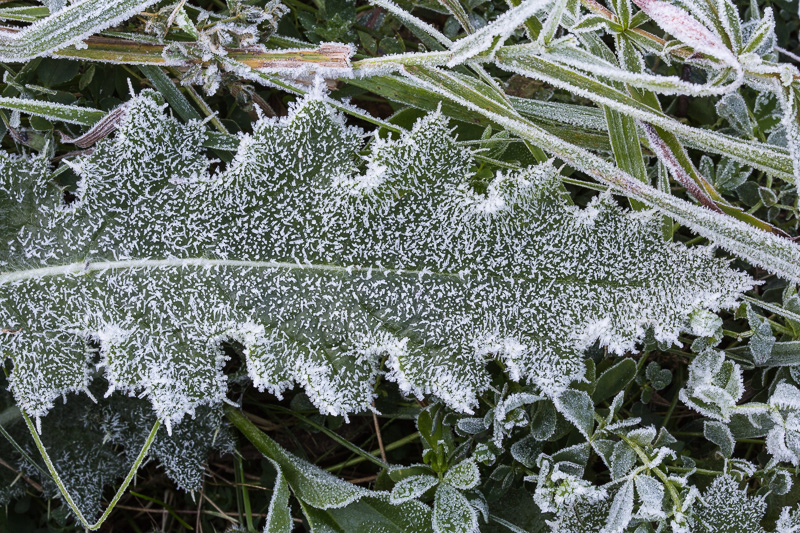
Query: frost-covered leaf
{"type": "Point", "coordinates": [725, 508]}
{"type": "Point", "coordinates": [412, 487]}
{"type": "Point", "coordinates": [789, 521]}
{"type": "Point", "coordinates": [763, 340]}
{"type": "Point", "coordinates": [705, 324]}
{"type": "Point", "coordinates": [496, 33]}
{"type": "Point", "coordinates": [463, 476]}
{"type": "Point", "coordinates": [319, 270]}
{"type": "Point", "coordinates": [452, 512]}
{"type": "Point", "coordinates": [685, 27]}
{"type": "Point", "coordinates": [651, 495]}
{"type": "Point", "coordinates": [279, 516]}
{"type": "Point", "coordinates": [582, 518]}
{"type": "Point", "coordinates": [182, 454]}
{"type": "Point", "coordinates": [642, 436]}
{"type": "Point", "coordinates": [613, 380]}
{"type": "Point", "coordinates": [543, 421]}
{"type": "Point", "coordinates": [622, 460]}
{"type": "Point", "coordinates": [733, 108]}
{"type": "Point", "coordinates": [621, 512]}
{"type": "Point", "coordinates": [370, 515]}
{"type": "Point", "coordinates": [721, 435]}
{"type": "Point", "coordinates": [526, 451]}
{"type": "Point", "coordinates": [714, 385]}
{"type": "Point", "coordinates": [471, 426]}
{"type": "Point", "coordinates": [658, 377]}
{"type": "Point", "coordinates": [92, 446]}
{"type": "Point", "coordinates": [559, 486]}
{"type": "Point", "coordinates": [578, 408]}
{"type": "Point", "coordinates": [783, 439]}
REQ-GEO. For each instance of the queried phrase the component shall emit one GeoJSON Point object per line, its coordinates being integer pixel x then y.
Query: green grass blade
{"type": "Point", "coordinates": [172, 95]}
{"type": "Point", "coordinates": [68, 26]}
{"type": "Point", "coordinates": [776, 254]}
{"type": "Point", "coordinates": [83, 116]}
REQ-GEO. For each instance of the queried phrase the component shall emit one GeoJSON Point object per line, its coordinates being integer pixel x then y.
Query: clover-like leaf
{"type": "Point", "coordinates": [452, 512]}
{"type": "Point", "coordinates": [464, 476]}
{"type": "Point", "coordinates": [412, 487]}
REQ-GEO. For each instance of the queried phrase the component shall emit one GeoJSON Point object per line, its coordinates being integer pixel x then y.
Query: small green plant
{"type": "Point", "coordinates": [551, 241]}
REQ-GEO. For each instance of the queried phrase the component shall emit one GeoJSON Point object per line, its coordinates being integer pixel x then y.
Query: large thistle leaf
{"type": "Point", "coordinates": [319, 270]}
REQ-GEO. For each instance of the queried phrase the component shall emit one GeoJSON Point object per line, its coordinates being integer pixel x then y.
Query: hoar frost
{"type": "Point", "coordinates": [325, 275]}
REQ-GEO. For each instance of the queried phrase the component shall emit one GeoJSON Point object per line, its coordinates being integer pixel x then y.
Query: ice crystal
{"type": "Point", "coordinates": [322, 272]}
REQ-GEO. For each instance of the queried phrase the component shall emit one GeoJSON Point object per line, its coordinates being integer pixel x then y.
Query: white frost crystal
{"type": "Point", "coordinates": [321, 272]}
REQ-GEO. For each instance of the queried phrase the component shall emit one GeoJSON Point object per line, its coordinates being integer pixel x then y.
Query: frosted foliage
{"type": "Point", "coordinates": [452, 513]}
{"type": "Point", "coordinates": [683, 26]}
{"type": "Point", "coordinates": [789, 521]}
{"type": "Point", "coordinates": [496, 33]}
{"type": "Point", "coordinates": [558, 489]}
{"type": "Point", "coordinates": [66, 26]}
{"type": "Point", "coordinates": [783, 439]}
{"type": "Point", "coordinates": [321, 271]}
{"type": "Point", "coordinates": [651, 494]}
{"type": "Point", "coordinates": [581, 518]}
{"type": "Point", "coordinates": [621, 511]}
{"type": "Point", "coordinates": [412, 487]}
{"type": "Point", "coordinates": [183, 454]}
{"type": "Point", "coordinates": [714, 385]}
{"type": "Point", "coordinates": [86, 460]}
{"type": "Point", "coordinates": [464, 476]}
{"type": "Point", "coordinates": [725, 508]}
{"type": "Point", "coordinates": [93, 445]}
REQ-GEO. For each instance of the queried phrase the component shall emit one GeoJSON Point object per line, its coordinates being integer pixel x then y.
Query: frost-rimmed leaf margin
{"type": "Point", "coordinates": [776, 254]}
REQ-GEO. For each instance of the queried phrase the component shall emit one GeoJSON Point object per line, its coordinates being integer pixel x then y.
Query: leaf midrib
{"type": "Point", "coordinates": [101, 266]}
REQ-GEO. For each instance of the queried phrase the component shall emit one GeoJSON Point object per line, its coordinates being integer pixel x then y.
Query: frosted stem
{"type": "Point", "coordinates": [63, 489]}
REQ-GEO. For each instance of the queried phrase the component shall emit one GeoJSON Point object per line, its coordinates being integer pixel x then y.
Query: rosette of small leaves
{"type": "Point", "coordinates": [448, 477]}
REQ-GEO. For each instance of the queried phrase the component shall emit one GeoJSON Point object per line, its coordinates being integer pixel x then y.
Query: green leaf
{"type": "Point", "coordinates": [279, 516]}
{"type": "Point", "coordinates": [309, 483]}
{"type": "Point", "coordinates": [763, 340]}
{"type": "Point", "coordinates": [578, 408]}
{"type": "Point", "coordinates": [759, 155]}
{"type": "Point", "coordinates": [613, 380]}
{"type": "Point", "coordinates": [412, 487]}
{"type": "Point", "coordinates": [24, 13]}
{"type": "Point", "coordinates": [543, 421]}
{"type": "Point", "coordinates": [172, 95]}
{"type": "Point", "coordinates": [658, 377]}
{"type": "Point", "coordinates": [463, 476]}
{"type": "Point", "coordinates": [370, 515]}
{"type": "Point", "coordinates": [53, 111]}
{"type": "Point", "coordinates": [622, 460]}
{"type": "Point", "coordinates": [721, 435]}
{"type": "Point", "coordinates": [786, 353]}
{"type": "Point", "coordinates": [452, 513]}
